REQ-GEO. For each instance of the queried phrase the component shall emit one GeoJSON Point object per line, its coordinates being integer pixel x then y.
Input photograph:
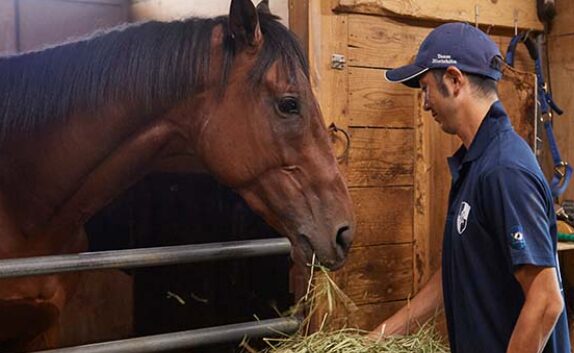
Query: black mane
{"type": "Point", "coordinates": [152, 64]}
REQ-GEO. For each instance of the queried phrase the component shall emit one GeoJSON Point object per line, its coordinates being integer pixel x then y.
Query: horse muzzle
{"type": "Point", "coordinates": [331, 255]}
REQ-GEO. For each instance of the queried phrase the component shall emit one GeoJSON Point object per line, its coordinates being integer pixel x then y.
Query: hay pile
{"type": "Point", "coordinates": [355, 341]}
{"type": "Point", "coordinates": [324, 290]}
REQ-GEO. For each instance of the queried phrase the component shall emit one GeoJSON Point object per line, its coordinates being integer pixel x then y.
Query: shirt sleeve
{"type": "Point", "coordinates": [518, 211]}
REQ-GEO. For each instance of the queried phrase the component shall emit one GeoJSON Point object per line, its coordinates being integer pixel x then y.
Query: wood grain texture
{"type": "Point", "coordinates": [381, 157]}
{"type": "Point", "coordinates": [376, 274]}
{"type": "Point", "coordinates": [365, 316]}
{"type": "Point", "coordinates": [377, 223]}
{"type": "Point", "coordinates": [377, 103]}
{"type": "Point", "coordinates": [517, 91]}
{"type": "Point", "coordinates": [382, 42]}
{"type": "Point", "coordinates": [423, 249]}
{"type": "Point", "coordinates": [497, 13]}
{"type": "Point", "coordinates": [561, 51]}
{"type": "Point", "coordinates": [562, 23]}
{"type": "Point", "coordinates": [328, 35]}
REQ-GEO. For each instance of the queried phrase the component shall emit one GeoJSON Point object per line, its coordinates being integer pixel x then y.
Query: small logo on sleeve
{"type": "Point", "coordinates": [462, 218]}
{"type": "Point", "coordinates": [516, 238]}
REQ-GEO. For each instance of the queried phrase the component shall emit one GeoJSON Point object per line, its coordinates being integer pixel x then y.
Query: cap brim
{"type": "Point", "coordinates": [408, 75]}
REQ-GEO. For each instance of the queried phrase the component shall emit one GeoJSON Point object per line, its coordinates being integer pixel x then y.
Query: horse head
{"type": "Point", "coordinates": [264, 136]}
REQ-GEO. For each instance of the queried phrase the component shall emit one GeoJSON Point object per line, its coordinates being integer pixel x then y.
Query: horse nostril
{"type": "Point", "coordinates": [344, 238]}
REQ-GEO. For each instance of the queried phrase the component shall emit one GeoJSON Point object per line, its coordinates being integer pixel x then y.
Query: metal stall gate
{"type": "Point", "coordinates": [161, 256]}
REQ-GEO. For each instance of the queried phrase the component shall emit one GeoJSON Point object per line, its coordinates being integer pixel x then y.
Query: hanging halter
{"type": "Point", "coordinates": [562, 170]}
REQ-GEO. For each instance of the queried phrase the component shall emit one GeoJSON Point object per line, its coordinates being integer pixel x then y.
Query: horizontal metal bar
{"type": "Point", "coordinates": [189, 339]}
{"type": "Point", "coordinates": [134, 258]}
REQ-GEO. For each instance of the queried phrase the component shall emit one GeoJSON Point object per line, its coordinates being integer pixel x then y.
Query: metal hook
{"type": "Point", "coordinates": [345, 155]}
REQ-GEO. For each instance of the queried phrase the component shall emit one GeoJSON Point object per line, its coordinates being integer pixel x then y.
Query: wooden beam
{"type": "Point", "coordinates": [382, 42]}
{"type": "Point", "coordinates": [496, 13]}
{"type": "Point", "coordinates": [299, 21]}
{"type": "Point", "coordinates": [328, 36]}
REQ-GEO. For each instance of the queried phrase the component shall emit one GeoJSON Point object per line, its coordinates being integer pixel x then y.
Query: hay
{"type": "Point", "coordinates": [348, 340]}
{"type": "Point", "coordinates": [355, 341]}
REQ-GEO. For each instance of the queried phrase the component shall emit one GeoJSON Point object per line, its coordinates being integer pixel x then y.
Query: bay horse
{"type": "Point", "coordinates": [83, 121]}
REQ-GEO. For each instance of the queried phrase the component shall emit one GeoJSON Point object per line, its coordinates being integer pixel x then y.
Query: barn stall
{"type": "Point", "coordinates": [395, 166]}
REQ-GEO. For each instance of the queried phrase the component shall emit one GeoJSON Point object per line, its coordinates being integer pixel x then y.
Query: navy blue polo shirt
{"type": "Point", "coordinates": [500, 216]}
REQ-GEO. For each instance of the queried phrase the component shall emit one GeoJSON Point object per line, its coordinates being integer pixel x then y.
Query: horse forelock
{"type": "Point", "coordinates": [151, 65]}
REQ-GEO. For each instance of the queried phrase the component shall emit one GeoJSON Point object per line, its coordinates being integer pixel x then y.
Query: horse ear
{"type": "Point", "coordinates": [263, 7]}
{"type": "Point", "coordinates": [244, 23]}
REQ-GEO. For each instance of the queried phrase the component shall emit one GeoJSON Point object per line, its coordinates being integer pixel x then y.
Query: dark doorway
{"type": "Point", "coordinates": [171, 209]}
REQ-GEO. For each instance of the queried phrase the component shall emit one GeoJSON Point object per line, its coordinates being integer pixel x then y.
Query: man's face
{"type": "Point", "coordinates": [439, 100]}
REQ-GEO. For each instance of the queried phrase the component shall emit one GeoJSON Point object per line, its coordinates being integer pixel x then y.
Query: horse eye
{"type": "Point", "coordinates": [288, 106]}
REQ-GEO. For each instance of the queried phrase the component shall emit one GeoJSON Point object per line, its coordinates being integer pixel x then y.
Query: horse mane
{"type": "Point", "coordinates": [152, 64]}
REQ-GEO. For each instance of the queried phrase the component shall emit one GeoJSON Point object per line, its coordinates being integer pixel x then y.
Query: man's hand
{"type": "Point", "coordinates": [421, 308]}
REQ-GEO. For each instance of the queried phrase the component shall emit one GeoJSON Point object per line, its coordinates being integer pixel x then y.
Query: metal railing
{"type": "Point", "coordinates": [162, 256]}
{"type": "Point", "coordinates": [188, 339]}
{"type": "Point", "coordinates": [134, 258]}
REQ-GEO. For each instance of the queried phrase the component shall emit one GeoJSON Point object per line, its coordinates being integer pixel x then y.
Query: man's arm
{"type": "Point", "coordinates": [421, 308]}
{"type": "Point", "coordinates": [542, 306]}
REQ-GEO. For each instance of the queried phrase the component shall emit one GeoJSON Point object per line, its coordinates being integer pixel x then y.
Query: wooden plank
{"type": "Point", "coordinates": [299, 21]}
{"type": "Point", "coordinates": [7, 27]}
{"type": "Point", "coordinates": [375, 102]}
{"type": "Point", "coordinates": [369, 316]}
{"type": "Point", "coordinates": [376, 274]}
{"type": "Point", "coordinates": [561, 51]}
{"type": "Point", "coordinates": [381, 157]}
{"type": "Point", "coordinates": [328, 35]}
{"type": "Point", "coordinates": [423, 249]}
{"type": "Point", "coordinates": [562, 24]}
{"type": "Point", "coordinates": [384, 215]}
{"type": "Point", "coordinates": [497, 13]}
{"type": "Point", "coordinates": [366, 316]}
{"type": "Point", "coordinates": [440, 146]}
{"type": "Point", "coordinates": [382, 42]}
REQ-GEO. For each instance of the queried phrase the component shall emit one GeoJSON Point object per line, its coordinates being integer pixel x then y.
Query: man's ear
{"type": "Point", "coordinates": [455, 78]}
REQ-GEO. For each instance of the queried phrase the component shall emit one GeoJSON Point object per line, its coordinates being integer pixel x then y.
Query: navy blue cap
{"type": "Point", "coordinates": [451, 44]}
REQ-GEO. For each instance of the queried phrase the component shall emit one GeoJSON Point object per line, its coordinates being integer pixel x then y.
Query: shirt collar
{"type": "Point", "coordinates": [495, 121]}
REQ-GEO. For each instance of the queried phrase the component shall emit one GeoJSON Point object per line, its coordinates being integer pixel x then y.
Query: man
{"type": "Point", "coordinates": [499, 281]}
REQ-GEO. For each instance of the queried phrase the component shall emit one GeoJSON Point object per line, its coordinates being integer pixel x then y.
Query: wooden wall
{"type": "Point", "coordinates": [396, 168]}
{"type": "Point", "coordinates": [561, 52]}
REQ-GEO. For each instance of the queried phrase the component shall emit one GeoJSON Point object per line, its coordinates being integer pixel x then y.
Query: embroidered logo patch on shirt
{"type": "Point", "coordinates": [517, 238]}
{"type": "Point", "coordinates": [462, 218]}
